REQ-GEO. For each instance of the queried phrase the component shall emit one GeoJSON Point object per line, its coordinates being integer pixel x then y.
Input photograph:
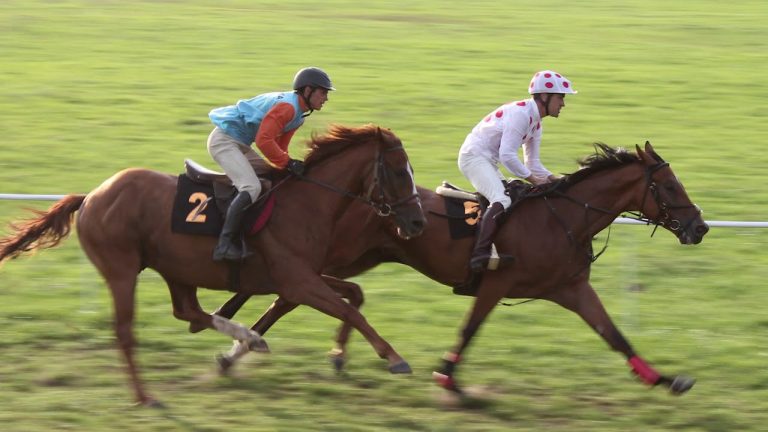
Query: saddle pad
{"type": "Point", "coordinates": [459, 225]}
{"type": "Point", "coordinates": [195, 210]}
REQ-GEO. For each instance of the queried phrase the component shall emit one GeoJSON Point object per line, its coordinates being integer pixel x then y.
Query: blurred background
{"type": "Point", "coordinates": [93, 87]}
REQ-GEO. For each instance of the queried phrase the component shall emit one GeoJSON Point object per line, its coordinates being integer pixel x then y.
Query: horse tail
{"type": "Point", "coordinates": [43, 232]}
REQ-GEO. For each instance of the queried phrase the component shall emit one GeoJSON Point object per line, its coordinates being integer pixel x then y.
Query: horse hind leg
{"type": "Point", "coordinates": [187, 308]}
{"type": "Point", "coordinates": [120, 271]}
{"type": "Point", "coordinates": [276, 310]}
{"type": "Point", "coordinates": [584, 301]}
{"type": "Point", "coordinates": [488, 296]}
{"type": "Point", "coordinates": [123, 296]}
{"type": "Point", "coordinates": [227, 310]}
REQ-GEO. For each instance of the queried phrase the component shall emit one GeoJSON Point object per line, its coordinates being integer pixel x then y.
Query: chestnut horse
{"type": "Point", "coordinates": [124, 226]}
{"type": "Point", "coordinates": [551, 239]}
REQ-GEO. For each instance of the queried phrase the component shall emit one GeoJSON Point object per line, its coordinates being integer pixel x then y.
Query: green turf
{"type": "Point", "coordinates": [91, 87]}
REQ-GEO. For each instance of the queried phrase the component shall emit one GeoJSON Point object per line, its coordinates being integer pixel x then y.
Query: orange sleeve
{"type": "Point", "coordinates": [270, 139]}
{"type": "Point", "coordinates": [286, 139]}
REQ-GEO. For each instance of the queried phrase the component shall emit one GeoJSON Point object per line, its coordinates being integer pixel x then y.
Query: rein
{"type": "Point", "coordinates": [591, 256]}
{"type": "Point", "coordinates": [382, 207]}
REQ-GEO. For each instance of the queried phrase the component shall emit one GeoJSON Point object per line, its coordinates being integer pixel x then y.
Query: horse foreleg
{"type": "Point", "coordinates": [585, 302]}
{"type": "Point", "coordinates": [315, 293]}
{"type": "Point", "coordinates": [487, 298]}
{"type": "Point", "coordinates": [354, 294]}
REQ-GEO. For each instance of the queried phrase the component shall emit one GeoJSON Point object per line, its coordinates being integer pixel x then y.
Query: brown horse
{"type": "Point", "coordinates": [124, 227]}
{"type": "Point", "coordinates": [551, 239]}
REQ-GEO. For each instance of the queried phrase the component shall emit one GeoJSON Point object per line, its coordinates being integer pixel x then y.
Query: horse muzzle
{"type": "Point", "coordinates": [693, 232]}
{"type": "Point", "coordinates": [410, 225]}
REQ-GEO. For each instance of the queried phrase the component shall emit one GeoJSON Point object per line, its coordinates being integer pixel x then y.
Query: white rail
{"type": "Point", "coordinates": [620, 220]}
{"type": "Point", "coordinates": [6, 196]}
{"type": "Point", "coordinates": [712, 223]}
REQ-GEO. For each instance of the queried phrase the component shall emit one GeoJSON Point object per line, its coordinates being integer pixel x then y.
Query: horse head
{"type": "Point", "coordinates": [393, 188]}
{"type": "Point", "coordinates": [669, 205]}
{"type": "Point", "coordinates": [386, 182]}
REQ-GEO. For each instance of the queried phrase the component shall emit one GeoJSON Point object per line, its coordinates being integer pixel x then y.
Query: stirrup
{"type": "Point", "coordinates": [491, 261]}
{"type": "Point", "coordinates": [229, 252]}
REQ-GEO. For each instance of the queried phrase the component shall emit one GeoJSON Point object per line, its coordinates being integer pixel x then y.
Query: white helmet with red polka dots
{"type": "Point", "coordinates": [550, 82]}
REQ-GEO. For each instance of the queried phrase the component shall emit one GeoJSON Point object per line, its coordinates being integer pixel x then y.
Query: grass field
{"type": "Point", "coordinates": [92, 87]}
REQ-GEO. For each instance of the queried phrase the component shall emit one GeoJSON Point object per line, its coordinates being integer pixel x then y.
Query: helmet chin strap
{"type": "Point", "coordinates": [306, 101]}
{"type": "Point", "coordinates": [546, 104]}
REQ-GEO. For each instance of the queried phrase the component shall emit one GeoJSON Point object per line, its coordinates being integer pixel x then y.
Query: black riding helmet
{"type": "Point", "coordinates": [312, 77]}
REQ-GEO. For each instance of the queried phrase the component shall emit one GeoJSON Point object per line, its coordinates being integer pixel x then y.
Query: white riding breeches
{"type": "Point", "coordinates": [485, 177]}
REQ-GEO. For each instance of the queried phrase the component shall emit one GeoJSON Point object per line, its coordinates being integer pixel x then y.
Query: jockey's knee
{"type": "Point", "coordinates": [503, 200]}
{"type": "Point", "coordinates": [254, 190]}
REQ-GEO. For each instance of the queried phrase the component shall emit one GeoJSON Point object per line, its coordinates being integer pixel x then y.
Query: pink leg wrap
{"type": "Point", "coordinates": [644, 371]}
{"type": "Point", "coordinates": [451, 357]}
{"type": "Point", "coordinates": [444, 381]}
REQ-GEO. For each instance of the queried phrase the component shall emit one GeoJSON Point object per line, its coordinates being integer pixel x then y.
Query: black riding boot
{"type": "Point", "coordinates": [231, 247]}
{"type": "Point", "coordinates": [489, 224]}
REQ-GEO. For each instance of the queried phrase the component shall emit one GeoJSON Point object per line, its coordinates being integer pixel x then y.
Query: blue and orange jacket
{"type": "Point", "coordinates": [269, 120]}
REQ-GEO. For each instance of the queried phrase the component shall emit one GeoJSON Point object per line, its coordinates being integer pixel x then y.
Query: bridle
{"type": "Point", "coordinates": [379, 202]}
{"type": "Point", "coordinates": [381, 177]}
{"type": "Point", "coordinates": [664, 218]}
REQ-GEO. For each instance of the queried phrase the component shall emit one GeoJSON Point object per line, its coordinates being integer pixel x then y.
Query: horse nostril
{"type": "Point", "coordinates": [702, 229]}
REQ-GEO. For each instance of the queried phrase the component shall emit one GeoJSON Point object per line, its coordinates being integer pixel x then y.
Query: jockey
{"type": "Point", "coordinates": [497, 139]}
{"type": "Point", "coordinates": [268, 120]}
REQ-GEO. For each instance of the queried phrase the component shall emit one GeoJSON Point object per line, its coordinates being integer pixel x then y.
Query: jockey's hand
{"type": "Point", "coordinates": [535, 180]}
{"type": "Point", "coordinates": [295, 167]}
{"type": "Point", "coordinates": [553, 178]}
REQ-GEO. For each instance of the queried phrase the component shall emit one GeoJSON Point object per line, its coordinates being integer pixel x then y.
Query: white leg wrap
{"type": "Point", "coordinates": [238, 350]}
{"type": "Point", "coordinates": [236, 331]}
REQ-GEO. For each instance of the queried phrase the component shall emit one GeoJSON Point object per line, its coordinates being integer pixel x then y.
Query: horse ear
{"type": "Point", "coordinates": [649, 149]}
{"type": "Point", "coordinates": [645, 155]}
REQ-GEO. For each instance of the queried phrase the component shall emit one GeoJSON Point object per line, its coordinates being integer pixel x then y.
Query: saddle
{"type": "Point", "coordinates": [517, 190]}
{"type": "Point", "coordinates": [223, 189]}
{"type": "Point", "coordinates": [463, 209]}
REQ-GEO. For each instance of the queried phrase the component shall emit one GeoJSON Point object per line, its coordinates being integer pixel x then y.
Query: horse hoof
{"type": "Point", "coordinates": [337, 362]}
{"type": "Point", "coordinates": [224, 363]}
{"type": "Point", "coordinates": [681, 384]}
{"type": "Point", "coordinates": [196, 327]}
{"type": "Point", "coordinates": [400, 368]}
{"type": "Point", "coordinates": [150, 402]}
{"type": "Point", "coordinates": [446, 382]}
{"type": "Point", "coordinates": [258, 345]}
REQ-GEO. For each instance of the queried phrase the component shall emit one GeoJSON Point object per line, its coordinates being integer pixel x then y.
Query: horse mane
{"type": "Point", "coordinates": [605, 157]}
{"type": "Point", "coordinates": [339, 137]}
